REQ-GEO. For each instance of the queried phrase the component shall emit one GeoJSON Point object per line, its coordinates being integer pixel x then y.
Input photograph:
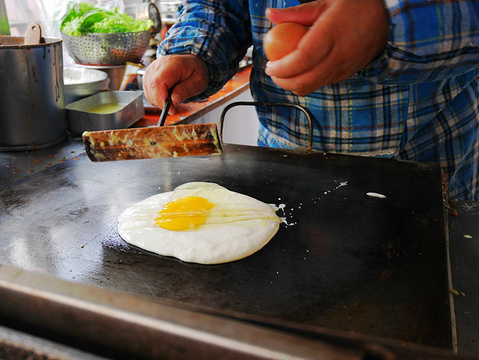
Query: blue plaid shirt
{"type": "Point", "coordinates": [417, 101]}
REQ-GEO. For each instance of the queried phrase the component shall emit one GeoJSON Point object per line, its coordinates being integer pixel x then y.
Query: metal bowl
{"type": "Point", "coordinates": [81, 82]}
{"type": "Point", "coordinates": [115, 73]}
{"type": "Point", "coordinates": [107, 49]}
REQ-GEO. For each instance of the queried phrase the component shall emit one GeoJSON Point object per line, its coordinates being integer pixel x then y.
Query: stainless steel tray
{"type": "Point", "coordinates": [81, 115]}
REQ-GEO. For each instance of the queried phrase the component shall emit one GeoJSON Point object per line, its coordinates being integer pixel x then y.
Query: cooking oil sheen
{"type": "Point", "coordinates": [107, 108]}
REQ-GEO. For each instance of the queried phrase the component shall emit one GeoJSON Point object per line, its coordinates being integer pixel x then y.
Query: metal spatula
{"type": "Point", "coordinates": [153, 142]}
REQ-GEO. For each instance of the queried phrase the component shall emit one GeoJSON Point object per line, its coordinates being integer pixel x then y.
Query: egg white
{"type": "Point", "coordinates": [235, 228]}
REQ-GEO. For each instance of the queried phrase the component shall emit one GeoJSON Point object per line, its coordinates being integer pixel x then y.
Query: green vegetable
{"type": "Point", "coordinates": [85, 18]}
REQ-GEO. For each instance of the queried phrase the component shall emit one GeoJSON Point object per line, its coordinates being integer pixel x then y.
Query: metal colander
{"type": "Point", "coordinates": [107, 49]}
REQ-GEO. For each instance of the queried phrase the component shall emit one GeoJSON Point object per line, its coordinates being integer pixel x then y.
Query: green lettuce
{"type": "Point", "coordinates": [86, 18]}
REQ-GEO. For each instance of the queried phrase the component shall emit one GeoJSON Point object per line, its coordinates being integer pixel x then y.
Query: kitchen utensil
{"type": "Point", "coordinates": [107, 110]}
{"type": "Point", "coordinates": [32, 102]}
{"type": "Point", "coordinates": [33, 35]}
{"type": "Point", "coordinates": [115, 73]}
{"type": "Point", "coordinates": [107, 49]}
{"type": "Point", "coordinates": [81, 82]}
{"type": "Point", "coordinates": [153, 142]}
{"type": "Point", "coordinates": [166, 108]}
{"type": "Point", "coordinates": [342, 260]}
{"type": "Point", "coordinates": [149, 11]}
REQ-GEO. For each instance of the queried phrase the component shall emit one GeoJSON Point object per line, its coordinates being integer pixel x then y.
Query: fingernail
{"type": "Point", "coordinates": [270, 10]}
{"type": "Point", "coordinates": [267, 68]}
{"type": "Point", "coordinates": [175, 100]}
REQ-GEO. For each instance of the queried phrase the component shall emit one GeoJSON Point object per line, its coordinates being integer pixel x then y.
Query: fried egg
{"type": "Point", "coordinates": [200, 222]}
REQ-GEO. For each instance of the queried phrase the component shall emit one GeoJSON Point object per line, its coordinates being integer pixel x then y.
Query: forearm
{"type": "Point", "coordinates": [428, 41]}
{"type": "Point", "coordinates": [217, 32]}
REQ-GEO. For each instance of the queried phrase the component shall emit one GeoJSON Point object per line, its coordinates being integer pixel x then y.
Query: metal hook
{"type": "Point", "coordinates": [260, 103]}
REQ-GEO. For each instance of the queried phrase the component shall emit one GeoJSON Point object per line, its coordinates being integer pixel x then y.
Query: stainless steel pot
{"type": "Point", "coordinates": [32, 102]}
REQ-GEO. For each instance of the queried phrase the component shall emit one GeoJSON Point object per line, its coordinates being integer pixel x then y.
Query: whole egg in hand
{"type": "Point", "coordinates": [282, 39]}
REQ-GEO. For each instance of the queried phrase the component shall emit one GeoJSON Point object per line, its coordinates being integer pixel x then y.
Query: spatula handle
{"type": "Point", "coordinates": [166, 108]}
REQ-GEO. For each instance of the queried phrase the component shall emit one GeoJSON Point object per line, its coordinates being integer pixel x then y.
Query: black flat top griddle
{"type": "Point", "coordinates": [345, 261]}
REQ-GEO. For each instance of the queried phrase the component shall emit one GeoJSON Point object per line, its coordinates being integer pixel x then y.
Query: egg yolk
{"type": "Point", "coordinates": [184, 213]}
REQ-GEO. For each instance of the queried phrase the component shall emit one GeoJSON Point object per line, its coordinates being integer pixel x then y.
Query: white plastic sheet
{"type": "Point", "coordinates": [52, 12]}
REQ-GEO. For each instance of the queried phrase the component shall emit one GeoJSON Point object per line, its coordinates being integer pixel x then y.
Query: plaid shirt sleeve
{"type": "Point", "coordinates": [428, 41]}
{"type": "Point", "coordinates": [215, 31]}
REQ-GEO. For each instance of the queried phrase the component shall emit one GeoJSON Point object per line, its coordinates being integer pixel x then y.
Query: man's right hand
{"type": "Point", "coordinates": [188, 74]}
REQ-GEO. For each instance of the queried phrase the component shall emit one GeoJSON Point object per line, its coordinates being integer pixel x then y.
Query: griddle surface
{"type": "Point", "coordinates": [345, 261]}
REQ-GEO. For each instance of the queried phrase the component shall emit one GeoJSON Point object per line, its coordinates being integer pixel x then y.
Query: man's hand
{"type": "Point", "coordinates": [188, 74]}
{"type": "Point", "coordinates": [344, 37]}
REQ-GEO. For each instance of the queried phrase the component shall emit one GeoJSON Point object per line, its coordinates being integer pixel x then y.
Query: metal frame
{"type": "Point", "coordinates": [261, 103]}
{"type": "Point", "coordinates": [117, 325]}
